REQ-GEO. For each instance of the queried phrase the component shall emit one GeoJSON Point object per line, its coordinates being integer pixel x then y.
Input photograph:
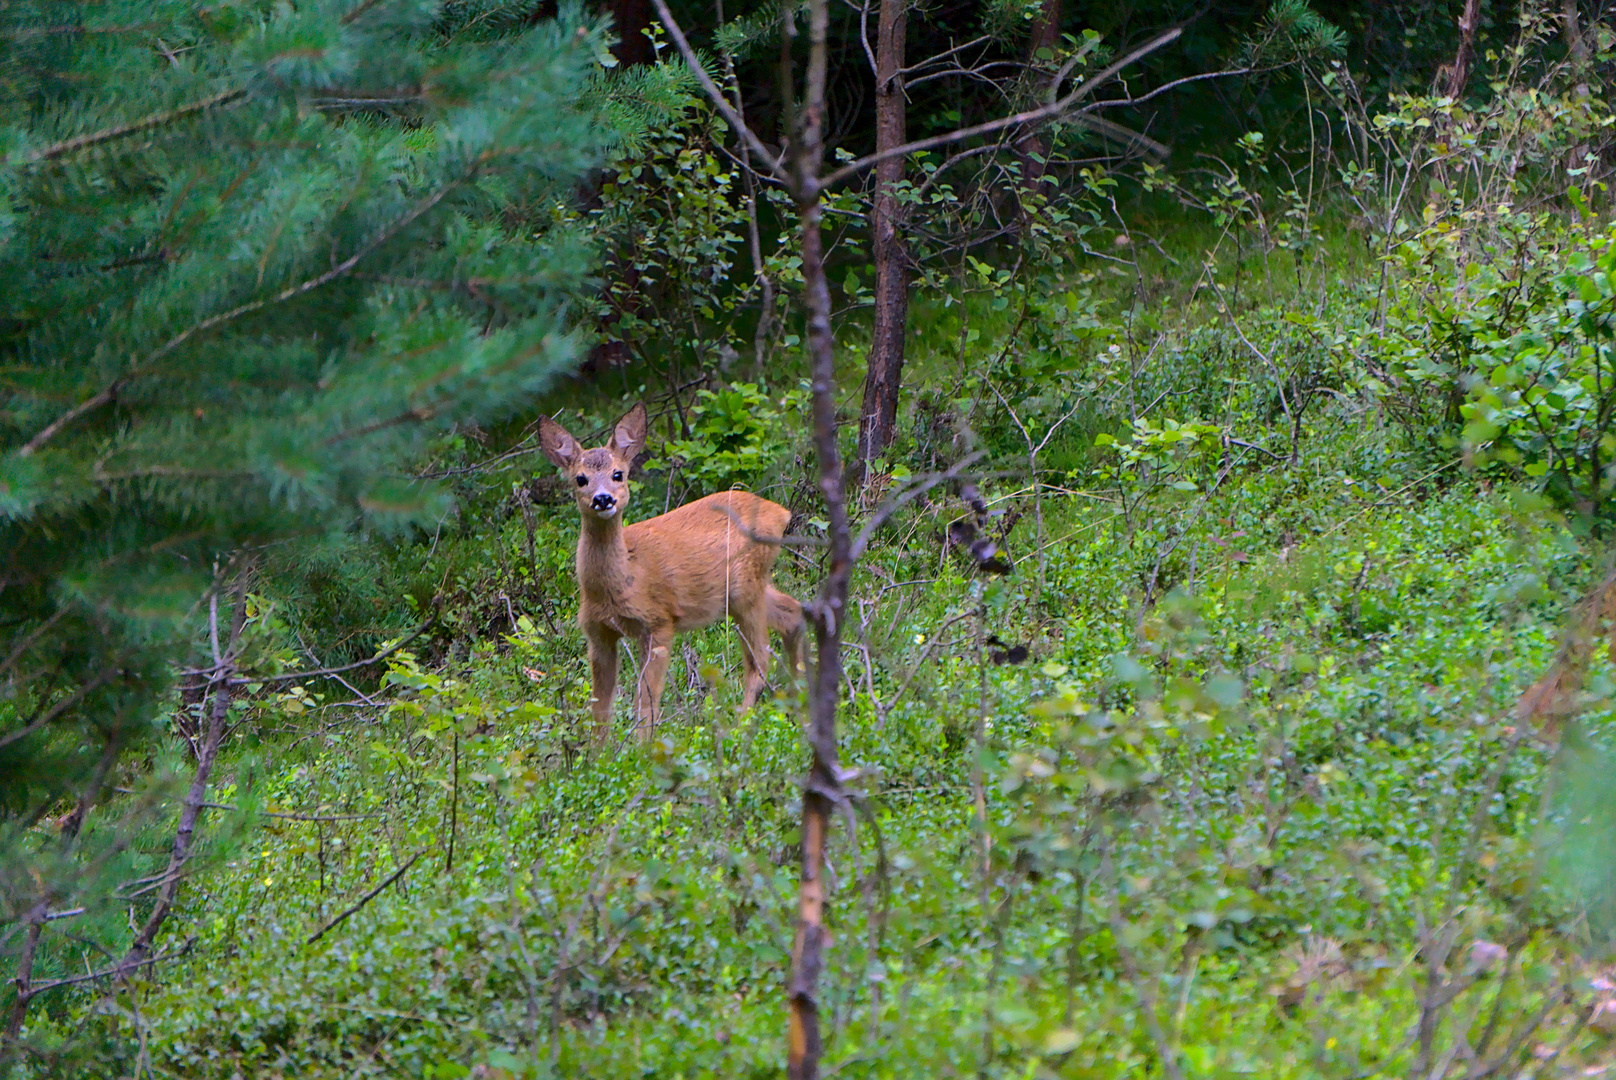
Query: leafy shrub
{"type": "Point", "coordinates": [1543, 401]}
{"type": "Point", "coordinates": [736, 435]}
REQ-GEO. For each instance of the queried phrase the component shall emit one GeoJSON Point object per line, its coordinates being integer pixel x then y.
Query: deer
{"type": "Point", "coordinates": [686, 569]}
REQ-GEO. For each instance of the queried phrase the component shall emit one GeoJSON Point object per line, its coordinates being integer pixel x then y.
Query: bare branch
{"type": "Point", "coordinates": [907, 495]}
{"type": "Point", "coordinates": [864, 38]}
{"type": "Point", "coordinates": [363, 900]}
{"type": "Point", "coordinates": [59, 708]}
{"type": "Point", "coordinates": [979, 72]}
{"type": "Point", "coordinates": [29, 639]}
{"type": "Point", "coordinates": [116, 970]}
{"type": "Point", "coordinates": [776, 541]}
{"type": "Point", "coordinates": [1072, 61]}
{"type": "Point", "coordinates": [955, 159]}
{"type": "Point", "coordinates": [1031, 116]}
{"type": "Point", "coordinates": [716, 96]}
{"type": "Point", "coordinates": [1129, 102]}
{"type": "Point", "coordinates": [937, 58]}
{"type": "Point", "coordinates": [936, 636]}
{"type": "Point", "coordinates": [292, 676]}
{"type": "Point", "coordinates": [207, 752]}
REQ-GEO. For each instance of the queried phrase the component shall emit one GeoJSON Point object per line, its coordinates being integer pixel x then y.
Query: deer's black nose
{"type": "Point", "coordinates": [603, 501]}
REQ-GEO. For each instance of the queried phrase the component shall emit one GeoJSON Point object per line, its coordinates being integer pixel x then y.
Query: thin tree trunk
{"type": "Point", "coordinates": [823, 790]}
{"type": "Point", "coordinates": [754, 236]}
{"type": "Point", "coordinates": [1576, 44]}
{"type": "Point", "coordinates": [1458, 73]}
{"type": "Point", "coordinates": [631, 18]}
{"type": "Point", "coordinates": [1032, 147]}
{"type": "Point", "coordinates": [883, 375]}
{"type": "Point", "coordinates": [1577, 53]}
{"type": "Point", "coordinates": [207, 753]}
{"type": "Point", "coordinates": [23, 983]}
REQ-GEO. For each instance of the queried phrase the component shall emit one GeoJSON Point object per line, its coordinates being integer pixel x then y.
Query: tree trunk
{"type": "Point", "coordinates": [883, 377]}
{"type": "Point", "coordinates": [1031, 148]}
{"type": "Point", "coordinates": [207, 752]}
{"type": "Point", "coordinates": [631, 18]}
{"type": "Point", "coordinates": [823, 789]}
{"type": "Point", "coordinates": [1576, 44]}
{"type": "Point", "coordinates": [36, 918]}
{"type": "Point", "coordinates": [1577, 53]}
{"type": "Point", "coordinates": [1457, 74]}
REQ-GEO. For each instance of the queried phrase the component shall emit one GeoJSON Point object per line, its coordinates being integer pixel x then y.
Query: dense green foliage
{"type": "Point", "coordinates": [239, 306]}
{"type": "Point", "coordinates": [1302, 452]}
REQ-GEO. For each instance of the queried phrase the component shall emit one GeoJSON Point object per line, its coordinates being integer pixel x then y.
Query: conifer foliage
{"type": "Point", "coordinates": [254, 256]}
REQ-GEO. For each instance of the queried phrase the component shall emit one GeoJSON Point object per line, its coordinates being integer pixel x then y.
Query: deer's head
{"type": "Point", "coordinates": [599, 477]}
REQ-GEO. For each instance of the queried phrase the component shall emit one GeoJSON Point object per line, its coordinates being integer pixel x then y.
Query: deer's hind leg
{"type": "Point", "coordinates": [785, 619]}
{"type": "Point", "coordinates": [656, 651]}
{"type": "Point", "coordinates": [752, 622]}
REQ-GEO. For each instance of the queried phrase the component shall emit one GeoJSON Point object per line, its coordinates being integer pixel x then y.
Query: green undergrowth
{"type": "Point", "coordinates": [1275, 764]}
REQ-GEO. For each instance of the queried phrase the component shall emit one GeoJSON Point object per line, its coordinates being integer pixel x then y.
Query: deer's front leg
{"type": "Point", "coordinates": [603, 677]}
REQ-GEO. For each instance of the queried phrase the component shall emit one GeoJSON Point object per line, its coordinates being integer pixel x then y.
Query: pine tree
{"type": "Point", "coordinates": [252, 258]}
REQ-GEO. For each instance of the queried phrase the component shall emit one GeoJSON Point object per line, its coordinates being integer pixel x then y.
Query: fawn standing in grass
{"type": "Point", "coordinates": [684, 570]}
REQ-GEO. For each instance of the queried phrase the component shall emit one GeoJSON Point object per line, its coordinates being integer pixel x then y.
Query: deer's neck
{"type": "Point", "coordinates": [603, 570]}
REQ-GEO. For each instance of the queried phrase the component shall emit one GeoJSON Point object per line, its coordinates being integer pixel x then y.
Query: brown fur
{"type": "Point", "coordinates": [684, 570]}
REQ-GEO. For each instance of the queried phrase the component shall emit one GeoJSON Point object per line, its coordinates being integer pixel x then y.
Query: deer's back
{"type": "Point", "coordinates": [702, 559]}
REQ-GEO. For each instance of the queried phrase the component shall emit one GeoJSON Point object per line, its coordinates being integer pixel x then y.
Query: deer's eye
{"type": "Point", "coordinates": [582, 480]}
{"type": "Point", "coordinates": [618, 476]}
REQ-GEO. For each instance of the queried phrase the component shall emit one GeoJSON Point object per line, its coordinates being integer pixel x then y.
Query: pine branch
{"type": "Point", "coordinates": [50, 153]}
{"type": "Point", "coordinates": [58, 709]}
{"type": "Point", "coordinates": [110, 393]}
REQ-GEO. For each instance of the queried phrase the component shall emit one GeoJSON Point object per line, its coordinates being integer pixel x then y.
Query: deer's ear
{"type": "Point", "coordinates": [629, 437]}
{"type": "Point", "coordinates": [559, 446]}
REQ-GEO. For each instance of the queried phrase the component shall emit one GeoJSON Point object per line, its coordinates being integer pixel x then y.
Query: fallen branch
{"type": "Point", "coordinates": [120, 969]}
{"type": "Point", "coordinates": [908, 494]}
{"type": "Point", "coordinates": [936, 636]}
{"type": "Point", "coordinates": [363, 900]}
{"type": "Point", "coordinates": [292, 676]}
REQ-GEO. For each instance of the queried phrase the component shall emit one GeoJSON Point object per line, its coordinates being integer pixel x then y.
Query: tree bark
{"type": "Point", "coordinates": [207, 752]}
{"type": "Point", "coordinates": [1576, 44]}
{"type": "Point", "coordinates": [69, 826]}
{"type": "Point", "coordinates": [883, 376]}
{"type": "Point", "coordinates": [1032, 147]}
{"type": "Point", "coordinates": [1457, 74]}
{"type": "Point", "coordinates": [631, 18]}
{"type": "Point", "coordinates": [823, 788]}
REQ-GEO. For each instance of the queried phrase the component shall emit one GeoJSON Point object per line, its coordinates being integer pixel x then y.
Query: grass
{"type": "Point", "coordinates": [628, 912]}
{"type": "Point", "coordinates": [1251, 807]}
